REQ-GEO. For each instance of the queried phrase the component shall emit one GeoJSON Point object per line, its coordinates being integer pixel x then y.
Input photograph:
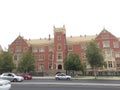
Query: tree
{"type": "Point", "coordinates": [26, 63]}
{"type": "Point", "coordinates": [94, 56]}
{"type": "Point", "coordinates": [83, 68]}
{"type": "Point", "coordinates": [72, 63]}
{"type": "Point", "coordinates": [6, 62]}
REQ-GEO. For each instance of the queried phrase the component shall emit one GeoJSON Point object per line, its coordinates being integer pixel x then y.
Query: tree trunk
{"type": "Point", "coordinates": [95, 73]}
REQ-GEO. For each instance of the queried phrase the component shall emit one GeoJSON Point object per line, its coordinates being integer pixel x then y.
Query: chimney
{"type": "Point", "coordinates": [49, 37]}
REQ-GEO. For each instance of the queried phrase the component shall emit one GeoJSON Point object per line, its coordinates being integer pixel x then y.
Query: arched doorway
{"type": "Point", "coordinates": [60, 66]}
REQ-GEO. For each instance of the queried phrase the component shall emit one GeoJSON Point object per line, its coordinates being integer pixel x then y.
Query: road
{"type": "Point", "coordinates": [62, 87]}
{"type": "Point", "coordinates": [91, 84]}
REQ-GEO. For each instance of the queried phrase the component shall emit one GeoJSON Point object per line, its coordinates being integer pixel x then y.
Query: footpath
{"type": "Point", "coordinates": [52, 77]}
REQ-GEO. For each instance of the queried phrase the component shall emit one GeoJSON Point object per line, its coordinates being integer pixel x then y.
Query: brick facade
{"type": "Point", "coordinates": [49, 53]}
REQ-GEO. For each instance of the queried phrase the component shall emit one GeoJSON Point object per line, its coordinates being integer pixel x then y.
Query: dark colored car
{"type": "Point", "coordinates": [26, 76]}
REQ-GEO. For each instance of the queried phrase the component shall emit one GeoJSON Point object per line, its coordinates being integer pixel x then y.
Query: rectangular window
{"type": "Point", "coordinates": [19, 57]}
{"type": "Point", "coordinates": [41, 49]}
{"type": "Point", "coordinates": [50, 65]}
{"type": "Point", "coordinates": [59, 56]}
{"type": "Point", "coordinates": [18, 48]}
{"type": "Point", "coordinates": [109, 64]}
{"type": "Point", "coordinates": [107, 53]}
{"type": "Point", "coordinates": [70, 47]}
{"type": "Point", "coordinates": [41, 57]}
{"type": "Point", "coordinates": [59, 47]}
{"type": "Point", "coordinates": [115, 45]}
{"type": "Point", "coordinates": [118, 64]}
{"type": "Point", "coordinates": [117, 54]}
{"type": "Point", "coordinates": [50, 57]}
{"type": "Point", "coordinates": [106, 43]}
{"type": "Point", "coordinates": [34, 49]}
{"type": "Point", "coordinates": [15, 57]}
{"type": "Point", "coordinates": [41, 67]}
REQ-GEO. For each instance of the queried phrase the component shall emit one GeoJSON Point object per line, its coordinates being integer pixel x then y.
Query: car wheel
{"type": "Point", "coordinates": [57, 78]}
{"type": "Point", "coordinates": [15, 80]}
{"type": "Point", "coordinates": [25, 78]}
{"type": "Point", "coordinates": [68, 78]}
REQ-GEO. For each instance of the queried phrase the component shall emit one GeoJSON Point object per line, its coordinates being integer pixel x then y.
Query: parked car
{"type": "Point", "coordinates": [12, 77]}
{"type": "Point", "coordinates": [5, 84]}
{"type": "Point", "coordinates": [26, 76]}
{"type": "Point", "coordinates": [63, 76]}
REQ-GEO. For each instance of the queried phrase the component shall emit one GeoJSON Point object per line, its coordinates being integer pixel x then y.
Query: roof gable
{"type": "Point", "coordinates": [104, 35]}
{"type": "Point", "coordinates": [18, 41]}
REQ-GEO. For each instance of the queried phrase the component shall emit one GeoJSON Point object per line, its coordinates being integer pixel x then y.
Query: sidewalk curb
{"type": "Point", "coordinates": [109, 78]}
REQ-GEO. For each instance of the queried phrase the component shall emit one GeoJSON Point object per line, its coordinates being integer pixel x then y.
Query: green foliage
{"type": "Point", "coordinates": [72, 62]}
{"type": "Point", "coordinates": [105, 64]}
{"type": "Point", "coordinates": [83, 67]}
{"type": "Point", "coordinates": [26, 63]}
{"type": "Point", "coordinates": [94, 55]}
{"type": "Point", "coordinates": [6, 62]}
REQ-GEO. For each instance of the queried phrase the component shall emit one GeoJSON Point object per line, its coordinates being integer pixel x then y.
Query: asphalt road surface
{"type": "Point", "coordinates": [66, 85]}
{"type": "Point", "coordinates": [62, 87]}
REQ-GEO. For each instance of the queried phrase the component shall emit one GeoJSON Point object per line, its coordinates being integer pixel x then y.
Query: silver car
{"type": "Point", "coordinates": [63, 76]}
{"type": "Point", "coordinates": [12, 77]}
{"type": "Point", "coordinates": [5, 84]}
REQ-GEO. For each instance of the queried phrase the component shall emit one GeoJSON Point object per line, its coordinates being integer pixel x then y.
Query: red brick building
{"type": "Point", "coordinates": [49, 53]}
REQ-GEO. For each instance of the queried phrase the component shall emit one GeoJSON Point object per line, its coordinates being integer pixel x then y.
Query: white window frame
{"type": "Point", "coordinates": [34, 49]}
{"type": "Point", "coordinates": [59, 47]}
{"type": "Point", "coordinates": [41, 49]}
{"type": "Point", "coordinates": [106, 44]}
{"type": "Point", "coordinates": [41, 57]}
{"type": "Point", "coordinates": [59, 56]}
{"type": "Point", "coordinates": [115, 44]}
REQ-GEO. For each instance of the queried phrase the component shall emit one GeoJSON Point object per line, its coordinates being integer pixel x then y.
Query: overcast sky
{"type": "Point", "coordinates": [35, 19]}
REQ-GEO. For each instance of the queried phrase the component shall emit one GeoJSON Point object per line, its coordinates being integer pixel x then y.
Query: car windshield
{"type": "Point", "coordinates": [13, 74]}
{"type": "Point", "coordinates": [61, 74]}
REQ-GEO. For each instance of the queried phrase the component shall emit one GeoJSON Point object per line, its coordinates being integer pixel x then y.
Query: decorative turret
{"type": "Point", "coordinates": [59, 46]}
{"type": "Point", "coordinates": [60, 29]}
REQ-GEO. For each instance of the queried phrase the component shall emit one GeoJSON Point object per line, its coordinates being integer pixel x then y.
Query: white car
{"type": "Point", "coordinates": [5, 84]}
{"type": "Point", "coordinates": [63, 76]}
{"type": "Point", "coordinates": [12, 77]}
